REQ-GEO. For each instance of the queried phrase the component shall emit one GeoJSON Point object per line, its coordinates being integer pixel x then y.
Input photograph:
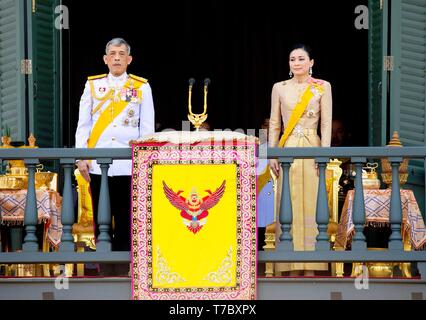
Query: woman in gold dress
{"type": "Point", "coordinates": [299, 104]}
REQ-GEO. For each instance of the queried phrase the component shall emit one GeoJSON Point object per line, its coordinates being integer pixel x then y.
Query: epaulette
{"type": "Point", "coordinates": [97, 77]}
{"type": "Point", "coordinates": [143, 80]}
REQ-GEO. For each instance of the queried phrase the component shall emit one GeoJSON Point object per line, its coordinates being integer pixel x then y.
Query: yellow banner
{"type": "Point", "coordinates": [197, 252]}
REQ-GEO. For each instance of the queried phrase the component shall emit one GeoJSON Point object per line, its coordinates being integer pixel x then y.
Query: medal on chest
{"type": "Point", "coordinates": [129, 95]}
{"type": "Point", "coordinates": [130, 119]}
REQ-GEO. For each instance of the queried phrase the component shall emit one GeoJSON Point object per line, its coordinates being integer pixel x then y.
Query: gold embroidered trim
{"type": "Point", "coordinates": [164, 274]}
{"type": "Point", "coordinates": [224, 272]}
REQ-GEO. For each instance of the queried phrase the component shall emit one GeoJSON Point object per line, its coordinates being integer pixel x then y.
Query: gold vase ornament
{"type": "Point", "coordinates": [387, 168]}
{"type": "Point", "coordinates": [43, 178]}
{"type": "Point", "coordinates": [369, 176]}
{"type": "Point", "coordinates": [16, 176]}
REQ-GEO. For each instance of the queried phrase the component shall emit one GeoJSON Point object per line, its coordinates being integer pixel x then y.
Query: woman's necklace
{"type": "Point", "coordinates": [300, 88]}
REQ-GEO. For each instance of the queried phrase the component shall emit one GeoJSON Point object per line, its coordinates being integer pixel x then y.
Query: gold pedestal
{"type": "Point", "coordinates": [25, 270]}
{"type": "Point", "coordinates": [382, 269]}
{"type": "Point", "coordinates": [269, 246]}
{"type": "Point", "coordinates": [337, 268]}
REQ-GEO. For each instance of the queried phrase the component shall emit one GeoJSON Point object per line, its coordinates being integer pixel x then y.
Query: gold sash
{"type": "Point", "coordinates": [110, 113]}
{"type": "Point", "coordinates": [263, 178]}
{"type": "Point", "coordinates": [298, 111]}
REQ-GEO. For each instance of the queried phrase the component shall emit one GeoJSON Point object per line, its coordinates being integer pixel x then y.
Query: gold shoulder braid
{"type": "Point", "coordinates": [92, 87]}
{"type": "Point", "coordinates": [139, 82]}
{"type": "Point", "coordinates": [99, 76]}
{"type": "Point", "coordinates": [140, 79]}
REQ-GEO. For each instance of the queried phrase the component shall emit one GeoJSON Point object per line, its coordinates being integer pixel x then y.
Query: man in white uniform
{"type": "Point", "coordinates": [114, 109]}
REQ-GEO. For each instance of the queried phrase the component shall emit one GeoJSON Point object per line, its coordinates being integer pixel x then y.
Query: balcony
{"type": "Point", "coordinates": [268, 287]}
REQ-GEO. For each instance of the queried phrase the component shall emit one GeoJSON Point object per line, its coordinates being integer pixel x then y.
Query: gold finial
{"type": "Point", "coordinates": [6, 137]}
{"type": "Point", "coordinates": [31, 140]}
{"type": "Point", "coordinates": [197, 119]}
{"type": "Point", "coordinates": [6, 141]}
{"type": "Point", "coordinates": [386, 166]}
{"type": "Point", "coordinates": [395, 142]}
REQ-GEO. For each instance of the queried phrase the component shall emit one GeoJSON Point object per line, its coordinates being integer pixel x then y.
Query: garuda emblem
{"type": "Point", "coordinates": [194, 210]}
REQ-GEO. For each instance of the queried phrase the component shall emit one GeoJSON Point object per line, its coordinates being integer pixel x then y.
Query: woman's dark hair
{"type": "Point", "coordinates": [304, 47]}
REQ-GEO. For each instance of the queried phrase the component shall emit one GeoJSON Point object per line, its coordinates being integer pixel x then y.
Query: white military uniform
{"type": "Point", "coordinates": [133, 122]}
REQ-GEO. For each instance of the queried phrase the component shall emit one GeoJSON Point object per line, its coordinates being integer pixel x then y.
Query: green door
{"type": "Point", "coordinates": [30, 71]}
{"type": "Point", "coordinates": [377, 75]}
{"type": "Point", "coordinates": [12, 81]}
{"type": "Point", "coordinates": [45, 91]}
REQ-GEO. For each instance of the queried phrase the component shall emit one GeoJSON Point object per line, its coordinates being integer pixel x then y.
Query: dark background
{"type": "Point", "coordinates": [242, 47]}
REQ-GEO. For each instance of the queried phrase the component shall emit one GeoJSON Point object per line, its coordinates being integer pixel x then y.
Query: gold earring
{"type": "Point", "coordinates": [310, 71]}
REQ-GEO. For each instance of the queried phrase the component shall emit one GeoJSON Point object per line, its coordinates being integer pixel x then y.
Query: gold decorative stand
{"type": "Point", "coordinates": [197, 119]}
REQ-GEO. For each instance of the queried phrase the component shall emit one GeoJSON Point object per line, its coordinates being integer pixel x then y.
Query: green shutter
{"type": "Point", "coordinates": [408, 83]}
{"type": "Point", "coordinates": [377, 38]}
{"type": "Point", "coordinates": [12, 97]}
{"type": "Point", "coordinates": [413, 67]}
{"type": "Point", "coordinates": [45, 117]}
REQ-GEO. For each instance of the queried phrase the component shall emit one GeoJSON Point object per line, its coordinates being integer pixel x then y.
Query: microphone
{"type": "Point", "coordinates": [191, 82]}
{"type": "Point", "coordinates": [206, 82]}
